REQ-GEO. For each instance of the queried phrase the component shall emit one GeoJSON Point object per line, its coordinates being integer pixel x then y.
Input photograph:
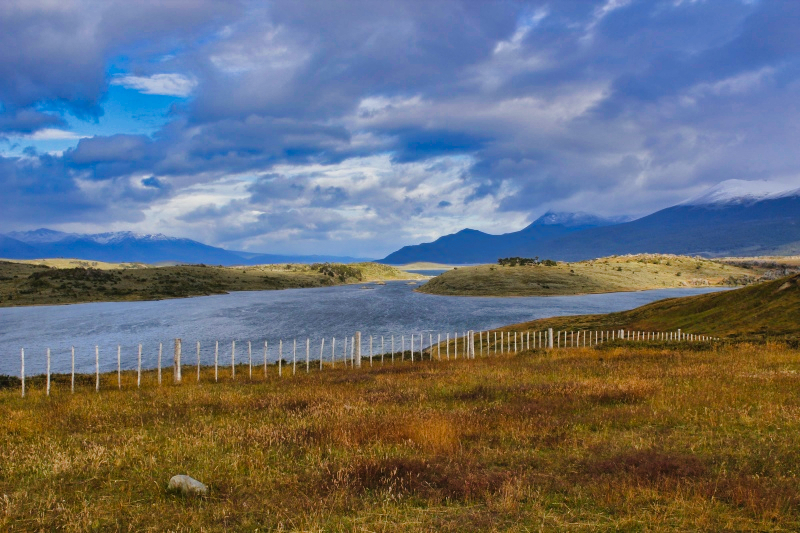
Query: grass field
{"type": "Point", "coordinates": [61, 281]}
{"type": "Point", "coordinates": [608, 274]}
{"type": "Point", "coordinates": [668, 437]}
{"type": "Point", "coordinates": [768, 310]}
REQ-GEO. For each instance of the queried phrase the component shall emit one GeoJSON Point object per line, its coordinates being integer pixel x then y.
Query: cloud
{"type": "Point", "coordinates": [357, 127]}
{"type": "Point", "coordinates": [51, 134]}
{"type": "Point", "coordinates": [164, 84]}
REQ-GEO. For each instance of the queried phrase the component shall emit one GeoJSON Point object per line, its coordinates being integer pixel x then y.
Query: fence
{"type": "Point", "coordinates": [470, 342]}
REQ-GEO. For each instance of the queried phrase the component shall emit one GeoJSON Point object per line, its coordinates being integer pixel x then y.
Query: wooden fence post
{"type": "Point", "coordinates": [48, 371]}
{"type": "Point", "coordinates": [139, 369]}
{"type": "Point", "coordinates": [176, 362]}
{"type": "Point", "coordinates": [233, 359]}
{"type": "Point", "coordinates": [357, 349]}
{"type": "Point", "coordinates": [549, 338]}
{"type": "Point", "coordinates": [119, 367]}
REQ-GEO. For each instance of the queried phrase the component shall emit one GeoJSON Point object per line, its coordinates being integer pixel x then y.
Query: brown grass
{"type": "Point", "coordinates": [630, 438]}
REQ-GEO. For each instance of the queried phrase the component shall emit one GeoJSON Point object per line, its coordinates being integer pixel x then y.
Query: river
{"type": "Point", "coordinates": [382, 310]}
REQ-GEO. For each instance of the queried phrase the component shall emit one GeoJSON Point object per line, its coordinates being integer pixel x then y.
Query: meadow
{"type": "Point", "coordinates": [62, 281]}
{"type": "Point", "coordinates": [679, 436]}
{"type": "Point", "coordinates": [606, 274]}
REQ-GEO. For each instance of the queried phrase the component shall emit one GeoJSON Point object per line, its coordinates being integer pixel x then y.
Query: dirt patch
{"type": "Point", "coordinates": [649, 465]}
{"type": "Point", "coordinates": [436, 478]}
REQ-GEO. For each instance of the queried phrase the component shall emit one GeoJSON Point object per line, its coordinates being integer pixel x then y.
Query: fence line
{"type": "Point", "coordinates": [542, 339]}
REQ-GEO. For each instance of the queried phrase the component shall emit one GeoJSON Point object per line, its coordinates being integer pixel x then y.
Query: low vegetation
{"type": "Point", "coordinates": [520, 277]}
{"type": "Point", "coordinates": [34, 283]}
{"type": "Point", "coordinates": [768, 310]}
{"type": "Point", "coordinates": [622, 437]}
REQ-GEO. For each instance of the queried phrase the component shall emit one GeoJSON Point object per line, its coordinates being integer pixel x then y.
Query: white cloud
{"type": "Point", "coordinates": [53, 134]}
{"type": "Point", "coordinates": [163, 84]}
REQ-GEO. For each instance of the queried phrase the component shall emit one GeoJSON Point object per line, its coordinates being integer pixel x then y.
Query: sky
{"type": "Point", "coordinates": [357, 127]}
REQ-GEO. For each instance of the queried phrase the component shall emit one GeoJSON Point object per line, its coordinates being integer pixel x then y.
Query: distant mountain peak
{"type": "Point", "coordinates": [39, 236]}
{"type": "Point", "coordinates": [118, 236]}
{"type": "Point", "coordinates": [740, 192]}
{"type": "Point", "coordinates": [571, 220]}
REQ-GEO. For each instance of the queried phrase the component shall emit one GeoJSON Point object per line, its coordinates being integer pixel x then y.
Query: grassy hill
{"type": "Point", "coordinates": [48, 282]}
{"type": "Point", "coordinates": [608, 274]}
{"type": "Point", "coordinates": [625, 438]}
{"type": "Point", "coordinates": [769, 309]}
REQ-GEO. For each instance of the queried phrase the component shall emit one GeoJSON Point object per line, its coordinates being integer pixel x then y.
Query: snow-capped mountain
{"type": "Point", "coordinates": [742, 191]}
{"type": "Point", "coordinates": [735, 217]}
{"type": "Point", "coordinates": [128, 246]}
{"type": "Point", "coordinates": [473, 246]}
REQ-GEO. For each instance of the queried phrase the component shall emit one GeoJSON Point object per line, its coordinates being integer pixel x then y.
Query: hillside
{"type": "Point", "coordinates": [733, 218]}
{"type": "Point", "coordinates": [769, 309]}
{"type": "Point", "coordinates": [70, 281]}
{"type": "Point", "coordinates": [473, 246]}
{"type": "Point", "coordinates": [608, 274]}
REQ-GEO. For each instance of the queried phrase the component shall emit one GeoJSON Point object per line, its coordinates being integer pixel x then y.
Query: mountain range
{"type": "Point", "coordinates": [130, 247]}
{"type": "Point", "coordinates": [734, 218]}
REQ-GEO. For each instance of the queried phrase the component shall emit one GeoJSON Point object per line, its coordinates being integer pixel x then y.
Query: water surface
{"type": "Point", "coordinates": [382, 310]}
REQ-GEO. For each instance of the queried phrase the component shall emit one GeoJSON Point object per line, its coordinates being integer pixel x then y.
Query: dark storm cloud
{"type": "Point", "coordinates": [506, 107]}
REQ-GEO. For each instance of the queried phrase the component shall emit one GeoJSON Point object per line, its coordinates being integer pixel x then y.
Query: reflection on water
{"type": "Point", "coordinates": [390, 309]}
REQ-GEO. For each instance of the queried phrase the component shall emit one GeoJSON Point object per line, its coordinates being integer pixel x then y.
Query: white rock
{"type": "Point", "coordinates": [187, 485]}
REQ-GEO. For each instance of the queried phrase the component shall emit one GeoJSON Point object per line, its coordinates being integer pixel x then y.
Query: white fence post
{"type": "Point", "coordinates": [22, 371]}
{"type": "Point", "coordinates": [233, 359]}
{"type": "Point", "coordinates": [119, 367]}
{"type": "Point", "coordinates": [357, 348]}
{"type": "Point", "coordinates": [176, 362]}
{"type": "Point", "coordinates": [97, 368]}
{"type": "Point", "coordinates": [48, 371]}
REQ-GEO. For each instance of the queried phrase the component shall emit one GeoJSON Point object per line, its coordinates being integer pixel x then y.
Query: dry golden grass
{"type": "Point", "coordinates": [619, 437]}
{"type": "Point", "coordinates": [49, 282]}
{"type": "Point", "coordinates": [606, 274]}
